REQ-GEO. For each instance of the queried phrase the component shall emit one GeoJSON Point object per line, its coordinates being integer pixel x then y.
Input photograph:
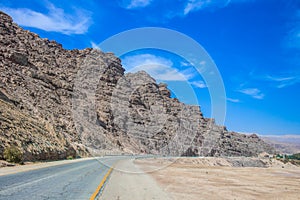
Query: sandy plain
{"type": "Point", "coordinates": [215, 178]}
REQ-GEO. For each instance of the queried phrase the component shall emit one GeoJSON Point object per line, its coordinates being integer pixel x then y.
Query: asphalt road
{"type": "Point", "coordinates": [68, 181]}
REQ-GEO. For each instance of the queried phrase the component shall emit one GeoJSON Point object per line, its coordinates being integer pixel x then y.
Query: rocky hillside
{"type": "Point", "coordinates": [56, 102]}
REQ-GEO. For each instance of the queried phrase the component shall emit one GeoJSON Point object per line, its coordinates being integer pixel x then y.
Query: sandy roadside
{"type": "Point", "coordinates": [194, 179]}
{"type": "Point", "coordinates": [33, 166]}
{"type": "Point", "coordinates": [129, 182]}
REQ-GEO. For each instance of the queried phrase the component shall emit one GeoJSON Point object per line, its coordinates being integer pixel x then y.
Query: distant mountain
{"type": "Point", "coordinates": [287, 144]}
{"type": "Point", "coordinates": [56, 102]}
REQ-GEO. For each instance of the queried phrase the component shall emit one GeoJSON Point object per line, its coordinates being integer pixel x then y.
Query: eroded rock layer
{"type": "Point", "coordinates": [56, 102]}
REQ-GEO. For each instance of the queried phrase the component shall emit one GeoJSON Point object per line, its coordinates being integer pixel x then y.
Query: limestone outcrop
{"type": "Point", "coordinates": [56, 102]}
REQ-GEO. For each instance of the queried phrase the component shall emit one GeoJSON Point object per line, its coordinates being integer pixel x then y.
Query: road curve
{"type": "Point", "coordinates": [77, 180]}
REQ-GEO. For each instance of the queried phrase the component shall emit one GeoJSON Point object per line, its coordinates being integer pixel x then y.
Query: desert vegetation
{"type": "Point", "coordinates": [13, 154]}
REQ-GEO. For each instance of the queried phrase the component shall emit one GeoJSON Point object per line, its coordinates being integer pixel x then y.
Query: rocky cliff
{"type": "Point", "coordinates": [56, 102]}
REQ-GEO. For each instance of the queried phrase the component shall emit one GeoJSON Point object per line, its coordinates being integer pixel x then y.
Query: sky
{"type": "Point", "coordinates": [255, 45]}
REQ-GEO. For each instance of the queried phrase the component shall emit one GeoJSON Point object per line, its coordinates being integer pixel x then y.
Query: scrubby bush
{"type": "Point", "coordinates": [295, 156]}
{"type": "Point", "coordinates": [70, 158]}
{"type": "Point", "coordinates": [13, 154]}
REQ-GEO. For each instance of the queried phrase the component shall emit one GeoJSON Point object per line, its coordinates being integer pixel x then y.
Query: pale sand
{"type": "Point", "coordinates": [191, 180]}
{"type": "Point", "coordinates": [129, 182]}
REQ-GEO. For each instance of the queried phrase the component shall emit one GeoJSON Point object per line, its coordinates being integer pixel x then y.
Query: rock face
{"type": "Point", "coordinates": [56, 102]}
{"type": "Point", "coordinates": [37, 137]}
{"type": "Point", "coordinates": [166, 126]}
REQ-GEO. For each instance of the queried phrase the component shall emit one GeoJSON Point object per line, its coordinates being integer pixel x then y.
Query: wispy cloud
{"type": "Point", "coordinates": [284, 81]}
{"type": "Point", "coordinates": [133, 4]}
{"type": "Point", "coordinates": [55, 20]}
{"type": "Point", "coordinates": [184, 64]}
{"type": "Point", "coordinates": [199, 84]}
{"type": "Point", "coordinates": [293, 37]}
{"type": "Point", "coordinates": [158, 67]}
{"type": "Point", "coordinates": [233, 100]}
{"type": "Point", "coordinates": [195, 5]}
{"type": "Point", "coordinates": [160, 13]}
{"type": "Point", "coordinates": [253, 92]}
{"type": "Point", "coordinates": [131, 62]}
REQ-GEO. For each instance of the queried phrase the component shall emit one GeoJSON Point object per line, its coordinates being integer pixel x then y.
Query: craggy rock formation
{"type": "Point", "coordinates": [56, 102]}
{"type": "Point", "coordinates": [164, 125]}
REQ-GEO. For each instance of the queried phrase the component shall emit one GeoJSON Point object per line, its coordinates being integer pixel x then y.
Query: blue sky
{"type": "Point", "coordinates": [254, 43]}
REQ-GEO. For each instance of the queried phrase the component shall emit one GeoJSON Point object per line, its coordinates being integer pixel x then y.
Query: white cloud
{"type": "Point", "coordinates": [195, 5]}
{"type": "Point", "coordinates": [279, 79]}
{"type": "Point", "coordinates": [55, 20]}
{"type": "Point", "coordinates": [130, 62]}
{"type": "Point", "coordinates": [132, 4]}
{"type": "Point", "coordinates": [253, 92]}
{"type": "Point", "coordinates": [192, 5]}
{"type": "Point", "coordinates": [293, 37]}
{"type": "Point", "coordinates": [184, 64]}
{"type": "Point", "coordinates": [203, 62]}
{"type": "Point", "coordinates": [158, 67]}
{"type": "Point", "coordinates": [284, 81]}
{"type": "Point", "coordinates": [199, 84]}
{"type": "Point", "coordinates": [233, 100]}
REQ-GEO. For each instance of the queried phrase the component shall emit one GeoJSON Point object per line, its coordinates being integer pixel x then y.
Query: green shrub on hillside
{"type": "Point", "coordinates": [70, 158]}
{"type": "Point", "coordinates": [13, 154]}
{"type": "Point", "coordinates": [295, 156]}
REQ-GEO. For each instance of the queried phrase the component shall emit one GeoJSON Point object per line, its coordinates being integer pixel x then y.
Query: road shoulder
{"type": "Point", "coordinates": [129, 182]}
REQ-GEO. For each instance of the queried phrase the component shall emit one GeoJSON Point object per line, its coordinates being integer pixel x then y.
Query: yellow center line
{"type": "Point", "coordinates": [101, 184]}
